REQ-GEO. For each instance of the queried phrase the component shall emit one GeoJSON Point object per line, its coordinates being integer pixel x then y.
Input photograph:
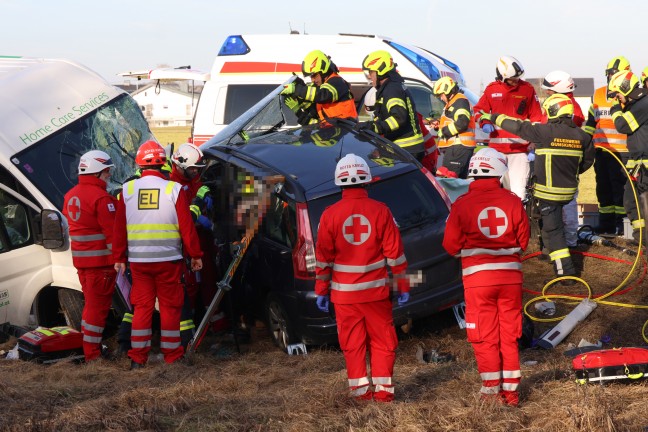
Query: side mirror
{"type": "Point", "coordinates": [52, 229]}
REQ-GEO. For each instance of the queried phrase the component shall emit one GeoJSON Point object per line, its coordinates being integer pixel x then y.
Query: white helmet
{"type": "Point", "coordinates": [370, 99]}
{"type": "Point", "coordinates": [487, 162]}
{"type": "Point", "coordinates": [188, 155]}
{"type": "Point", "coordinates": [559, 81]}
{"type": "Point", "coordinates": [94, 162]}
{"type": "Point", "coordinates": [508, 67]}
{"type": "Point", "coordinates": [352, 170]}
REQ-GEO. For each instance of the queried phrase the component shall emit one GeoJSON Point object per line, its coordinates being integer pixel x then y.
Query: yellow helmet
{"type": "Point", "coordinates": [644, 75]}
{"type": "Point", "coordinates": [623, 82]}
{"type": "Point", "coordinates": [316, 62]}
{"type": "Point", "coordinates": [617, 64]}
{"type": "Point", "coordinates": [558, 105]}
{"type": "Point", "coordinates": [379, 61]}
{"type": "Point", "coordinates": [444, 85]}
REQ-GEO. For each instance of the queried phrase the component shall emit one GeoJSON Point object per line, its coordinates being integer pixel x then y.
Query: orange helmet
{"type": "Point", "coordinates": [150, 154]}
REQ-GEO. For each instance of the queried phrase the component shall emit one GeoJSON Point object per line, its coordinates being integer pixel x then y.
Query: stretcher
{"type": "Point", "coordinates": [618, 364]}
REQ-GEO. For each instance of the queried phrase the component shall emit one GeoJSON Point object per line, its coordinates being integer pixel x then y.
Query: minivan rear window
{"type": "Point", "coordinates": [411, 198]}
{"type": "Point", "coordinates": [241, 97]}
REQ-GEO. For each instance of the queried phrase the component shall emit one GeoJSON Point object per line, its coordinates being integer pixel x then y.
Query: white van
{"type": "Point", "coordinates": [51, 112]}
{"type": "Point", "coordinates": [248, 67]}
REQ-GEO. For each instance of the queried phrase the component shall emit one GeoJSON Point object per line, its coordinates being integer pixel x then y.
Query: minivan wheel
{"type": "Point", "coordinates": [279, 324]}
{"type": "Point", "coordinates": [71, 302]}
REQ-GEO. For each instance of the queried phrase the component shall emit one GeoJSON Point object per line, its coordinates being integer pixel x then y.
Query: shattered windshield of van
{"type": "Point", "coordinates": [117, 128]}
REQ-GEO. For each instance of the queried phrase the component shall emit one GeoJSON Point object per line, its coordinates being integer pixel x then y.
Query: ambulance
{"type": "Point", "coordinates": [248, 67]}
{"type": "Point", "coordinates": [51, 112]}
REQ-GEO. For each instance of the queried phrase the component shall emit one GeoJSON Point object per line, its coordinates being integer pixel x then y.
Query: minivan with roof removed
{"type": "Point", "coordinates": [278, 276]}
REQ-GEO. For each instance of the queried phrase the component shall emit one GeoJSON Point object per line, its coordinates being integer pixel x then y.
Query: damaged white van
{"type": "Point", "coordinates": [51, 112]}
{"type": "Point", "coordinates": [249, 67]}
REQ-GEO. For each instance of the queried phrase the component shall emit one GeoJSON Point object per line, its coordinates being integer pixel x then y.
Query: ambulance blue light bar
{"type": "Point", "coordinates": [423, 64]}
{"type": "Point", "coordinates": [234, 45]}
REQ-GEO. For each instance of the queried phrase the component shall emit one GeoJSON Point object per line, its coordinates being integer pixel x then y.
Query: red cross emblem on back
{"type": "Point", "coordinates": [74, 208]}
{"type": "Point", "coordinates": [492, 222]}
{"type": "Point", "coordinates": [356, 229]}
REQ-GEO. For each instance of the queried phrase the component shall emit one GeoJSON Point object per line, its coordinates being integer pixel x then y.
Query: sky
{"type": "Point", "coordinates": [577, 36]}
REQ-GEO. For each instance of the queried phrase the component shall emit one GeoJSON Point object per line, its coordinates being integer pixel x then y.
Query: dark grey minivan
{"type": "Point", "coordinates": [277, 278]}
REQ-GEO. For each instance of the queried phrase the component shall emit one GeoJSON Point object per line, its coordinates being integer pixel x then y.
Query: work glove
{"type": "Point", "coordinates": [204, 221]}
{"type": "Point", "coordinates": [203, 199]}
{"type": "Point", "coordinates": [322, 303]}
{"type": "Point", "coordinates": [367, 126]}
{"type": "Point", "coordinates": [488, 128]}
{"type": "Point", "coordinates": [403, 298]}
{"type": "Point", "coordinates": [289, 89]}
{"type": "Point", "coordinates": [292, 103]}
{"type": "Point", "coordinates": [440, 133]}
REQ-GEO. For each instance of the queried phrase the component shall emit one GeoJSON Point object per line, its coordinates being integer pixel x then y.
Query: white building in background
{"type": "Point", "coordinates": [167, 104]}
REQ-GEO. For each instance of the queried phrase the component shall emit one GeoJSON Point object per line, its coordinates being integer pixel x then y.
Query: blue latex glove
{"type": "Point", "coordinates": [531, 156]}
{"type": "Point", "coordinates": [322, 303]}
{"type": "Point", "coordinates": [204, 222]}
{"type": "Point", "coordinates": [403, 298]}
{"type": "Point", "coordinates": [209, 202]}
{"type": "Point", "coordinates": [488, 128]}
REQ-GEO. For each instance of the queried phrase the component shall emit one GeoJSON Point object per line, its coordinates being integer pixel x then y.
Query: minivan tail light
{"type": "Point", "coordinates": [437, 186]}
{"type": "Point", "coordinates": [304, 251]}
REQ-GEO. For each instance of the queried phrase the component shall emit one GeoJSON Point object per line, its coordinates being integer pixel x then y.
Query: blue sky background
{"type": "Point", "coordinates": [110, 37]}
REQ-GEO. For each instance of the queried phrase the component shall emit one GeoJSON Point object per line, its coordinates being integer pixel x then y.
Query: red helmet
{"type": "Point", "coordinates": [150, 154]}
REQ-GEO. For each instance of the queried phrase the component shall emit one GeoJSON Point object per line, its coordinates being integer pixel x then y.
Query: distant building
{"type": "Point", "coordinates": [165, 104]}
{"type": "Point", "coordinates": [583, 92]}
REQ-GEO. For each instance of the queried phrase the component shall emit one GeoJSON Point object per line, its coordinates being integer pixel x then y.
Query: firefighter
{"type": "Point", "coordinates": [561, 82]}
{"type": "Point", "coordinates": [90, 211]}
{"type": "Point", "coordinates": [563, 151]}
{"type": "Point", "coordinates": [488, 228]}
{"type": "Point", "coordinates": [394, 111]}
{"type": "Point", "coordinates": [330, 93]}
{"type": "Point", "coordinates": [153, 223]}
{"type": "Point", "coordinates": [630, 115]}
{"type": "Point", "coordinates": [610, 175]}
{"type": "Point", "coordinates": [514, 97]}
{"type": "Point", "coordinates": [354, 238]}
{"type": "Point", "coordinates": [456, 127]}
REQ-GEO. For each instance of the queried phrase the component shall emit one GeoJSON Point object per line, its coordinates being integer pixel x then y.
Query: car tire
{"type": "Point", "coordinates": [71, 302]}
{"type": "Point", "coordinates": [279, 325]}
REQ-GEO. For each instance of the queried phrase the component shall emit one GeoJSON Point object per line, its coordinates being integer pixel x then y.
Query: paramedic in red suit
{"type": "Point", "coordinates": [90, 211]}
{"type": "Point", "coordinates": [488, 228]}
{"type": "Point", "coordinates": [152, 225]}
{"type": "Point", "coordinates": [356, 240]}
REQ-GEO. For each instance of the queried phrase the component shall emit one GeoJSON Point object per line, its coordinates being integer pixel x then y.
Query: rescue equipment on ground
{"type": "Point", "coordinates": [586, 235]}
{"type": "Point", "coordinates": [618, 364]}
{"type": "Point", "coordinates": [553, 337]}
{"type": "Point", "coordinates": [49, 345]}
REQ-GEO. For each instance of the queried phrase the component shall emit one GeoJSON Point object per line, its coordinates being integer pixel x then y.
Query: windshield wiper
{"type": "Point", "coordinates": [116, 142]}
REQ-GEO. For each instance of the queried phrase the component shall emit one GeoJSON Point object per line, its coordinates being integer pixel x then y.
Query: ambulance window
{"type": "Point", "coordinates": [242, 97]}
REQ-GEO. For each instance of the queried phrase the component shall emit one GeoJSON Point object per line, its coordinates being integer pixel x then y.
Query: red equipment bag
{"type": "Point", "coordinates": [48, 345]}
{"type": "Point", "coordinates": [618, 364]}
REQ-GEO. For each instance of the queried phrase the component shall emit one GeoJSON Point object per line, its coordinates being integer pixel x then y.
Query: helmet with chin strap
{"type": "Point", "coordinates": [508, 67]}
{"type": "Point", "coordinates": [352, 170]}
{"type": "Point", "coordinates": [558, 105]}
{"type": "Point", "coordinates": [559, 81]}
{"type": "Point", "coordinates": [94, 161]}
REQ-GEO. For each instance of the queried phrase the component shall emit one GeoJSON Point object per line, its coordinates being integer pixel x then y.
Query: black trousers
{"type": "Point", "coordinates": [610, 182]}
{"type": "Point", "coordinates": [553, 237]}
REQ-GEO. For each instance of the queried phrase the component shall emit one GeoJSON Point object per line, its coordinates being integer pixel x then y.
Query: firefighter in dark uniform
{"type": "Point", "coordinates": [329, 97]}
{"type": "Point", "coordinates": [394, 113]}
{"type": "Point", "coordinates": [630, 116]}
{"type": "Point", "coordinates": [563, 151]}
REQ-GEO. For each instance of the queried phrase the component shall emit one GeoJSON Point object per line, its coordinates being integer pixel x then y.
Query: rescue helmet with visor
{"type": "Point", "coordinates": [94, 162]}
{"type": "Point", "coordinates": [352, 170]}
{"type": "Point", "coordinates": [558, 105]}
{"type": "Point", "coordinates": [150, 154]}
{"type": "Point", "coordinates": [445, 85]}
{"type": "Point", "coordinates": [316, 62]}
{"type": "Point", "coordinates": [622, 82]}
{"type": "Point", "coordinates": [487, 162]}
{"type": "Point", "coordinates": [618, 63]}
{"type": "Point", "coordinates": [187, 156]}
{"type": "Point", "coordinates": [379, 61]}
{"type": "Point", "coordinates": [559, 82]}
{"type": "Point", "coordinates": [508, 67]}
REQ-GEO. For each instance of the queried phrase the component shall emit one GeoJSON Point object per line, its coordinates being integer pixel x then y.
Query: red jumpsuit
{"type": "Point", "coordinates": [488, 228]}
{"type": "Point", "coordinates": [156, 214]}
{"type": "Point", "coordinates": [356, 236]}
{"type": "Point", "coordinates": [90, 211]}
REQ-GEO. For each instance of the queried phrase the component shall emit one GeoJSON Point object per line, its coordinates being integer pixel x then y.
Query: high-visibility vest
{"type": "Point", "coordinates": [606, 134]}
{"type": "Point", "coordinates": [466, 138]}
{"type": "Point", "coordinates": [152, 227]}
{"type": "Point", "coordinates": [342, 107]}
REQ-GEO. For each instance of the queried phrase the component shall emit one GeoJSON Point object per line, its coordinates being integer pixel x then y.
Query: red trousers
{"type": "Point", "coordinates": [161, 280]}
{"type": "Point", "coordinates": [493, 327]}
{"type": "Point", "coordinates": [98, 286]}
{"type": "Point", "coordinates": [363, 325]}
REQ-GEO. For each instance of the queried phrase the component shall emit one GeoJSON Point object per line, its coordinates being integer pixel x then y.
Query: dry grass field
{"type": "Point", "coordinates": [264, 389]}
